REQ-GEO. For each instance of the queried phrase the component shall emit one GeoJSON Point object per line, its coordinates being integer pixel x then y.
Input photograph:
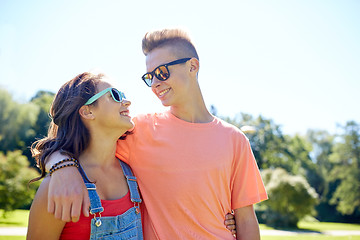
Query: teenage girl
{"type": "Point", "coordinates": [88, 117]}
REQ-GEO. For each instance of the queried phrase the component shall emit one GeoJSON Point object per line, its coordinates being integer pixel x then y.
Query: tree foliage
{"type": "Point", "coordinates": [267, 141]}
{"type": "Point", "coordinates": [290, 198]}
{"type": "Point", "coordinates": [346, 172]}
{"type": "Point", "coordinates": [14, 178]}
{"type": "Point", "coordinates": [22, 123]}
{"type": "Point", "coordinates": [329, 163]}
{"type": "Point", "coordinates": [273, 149]}
{"type": "Point", "coordinates": [16, 121]}
{"type": "Point", "coordinates": [43, 100]}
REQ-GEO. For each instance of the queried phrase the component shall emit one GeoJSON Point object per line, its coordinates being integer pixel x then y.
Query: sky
{"type": "Point", "coordinates": [295, 62]}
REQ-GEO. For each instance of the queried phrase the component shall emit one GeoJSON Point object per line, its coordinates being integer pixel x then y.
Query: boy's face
{"type": "Point", "coordinates": [173, 90]}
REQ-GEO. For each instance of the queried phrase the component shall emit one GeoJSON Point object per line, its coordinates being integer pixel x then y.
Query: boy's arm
{"type": "Point", "coordinates": [247, 226]}
{"type": "Point", "coordinates": [67, 192]}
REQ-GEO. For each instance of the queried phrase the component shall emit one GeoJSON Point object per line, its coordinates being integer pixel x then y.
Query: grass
{"type": "Point", "coordinates": [320, 226]}
{"type": "Point", "coordinates": [12, 237]}
{"type": "Point", "coordinates": [324, 226]}
{"type": "Point", "coordinates": [309, 237]}
{"type": "Point", "coordinates": [316, 227]}
{"type": "Point", "coordinates": [300, 237]}
{"type": "Point", "coordinates": [17, 218]}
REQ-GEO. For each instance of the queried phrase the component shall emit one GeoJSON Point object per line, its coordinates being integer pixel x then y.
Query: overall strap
{"type": "Point", "coordinates": [83, 174]}
{"type": "Point", "coordinates": [132, 183]}
{"type": "Point", "coordinates": [95, 203]}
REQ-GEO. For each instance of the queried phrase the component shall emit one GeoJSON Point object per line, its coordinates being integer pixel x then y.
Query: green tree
{"type": "Point", "coordinates": [290, 198]}
{"type": "Point", "coordinates": [346, 170]}
{"type": "Point", "coordinates": [273, 149]}
{"type": "Point", "coordinates": [300, 149]}
{"type": "Point", "coordinates": [267, 141]}
{"type": "Point", "coordinates": [7, 114]}
{"type": "Point", "coordinates": [323, 144]}
{"type": "Point", "coordinates": [16, 123]}
{"type": "Point", "coordinates": [43, 100]}
{"type": "Point", "coordinates": [22, 124]}
{"type": "Point", "coordinates": [14, 178]}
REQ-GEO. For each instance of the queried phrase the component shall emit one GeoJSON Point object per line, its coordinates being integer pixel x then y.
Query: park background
{"type": "Point", "coordinates": [288, 69]}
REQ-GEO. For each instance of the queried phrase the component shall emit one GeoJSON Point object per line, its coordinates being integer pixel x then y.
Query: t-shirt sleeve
{"type": "Point", "coordinates": [123, 145]}
{"type": "Point", "coordinates": [247, 185]}
{"type": "Point", "coordinates": [123, 150]}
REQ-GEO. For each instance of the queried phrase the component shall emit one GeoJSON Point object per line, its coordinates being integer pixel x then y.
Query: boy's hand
{"type": "Point", "coordinates": [67, 195]}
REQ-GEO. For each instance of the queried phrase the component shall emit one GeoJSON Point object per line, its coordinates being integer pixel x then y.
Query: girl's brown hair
{"type": "Point", "coordinates": [67, 133]}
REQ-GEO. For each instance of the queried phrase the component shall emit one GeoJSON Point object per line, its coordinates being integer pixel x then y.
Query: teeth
{"type": "Point", "coordinates": [163, 92]}
{"type": "Point", "coordinates": [124, 113]}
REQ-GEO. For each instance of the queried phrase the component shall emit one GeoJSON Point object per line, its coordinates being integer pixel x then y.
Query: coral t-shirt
{"type": "Point", "coordinates": [81, 229]}
{"type": "Point", "coordinates": [190, 175]}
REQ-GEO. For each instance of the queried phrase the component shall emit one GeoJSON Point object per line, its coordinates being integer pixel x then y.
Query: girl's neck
{"type": "Point", "coordinates": [100, 152]}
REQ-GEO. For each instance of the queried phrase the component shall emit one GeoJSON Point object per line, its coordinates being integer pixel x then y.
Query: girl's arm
{"type": "Point", "coordinates": [42, 224]}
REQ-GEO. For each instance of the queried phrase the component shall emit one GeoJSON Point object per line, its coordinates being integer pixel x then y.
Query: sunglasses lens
{"type": "Point", "coordinates": [162, 73]}
{"type": "Point", "coordinates": [116, 95]}
{"type": "Point", "coordinates": [148, 79]}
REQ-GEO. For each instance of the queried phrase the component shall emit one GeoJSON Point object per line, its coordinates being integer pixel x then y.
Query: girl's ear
{"type": "Point", "coordinates": [86, 113]}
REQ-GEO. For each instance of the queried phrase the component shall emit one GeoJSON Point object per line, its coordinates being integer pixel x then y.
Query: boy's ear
{"type": "Point", "coordinates": [194, 65]}
{"type": "Point", "coordinates": [86, 113]}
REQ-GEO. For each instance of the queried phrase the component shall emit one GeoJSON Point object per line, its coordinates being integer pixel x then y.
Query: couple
{"type": "Point", "coordinates": [192, 168]}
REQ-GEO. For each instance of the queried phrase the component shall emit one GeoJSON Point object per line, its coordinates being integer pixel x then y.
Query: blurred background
{"type": "Point", "coordinates": [285, 72]}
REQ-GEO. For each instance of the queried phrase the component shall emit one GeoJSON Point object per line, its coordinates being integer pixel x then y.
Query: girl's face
{"type": "Point", "coordinates": [109, 113]}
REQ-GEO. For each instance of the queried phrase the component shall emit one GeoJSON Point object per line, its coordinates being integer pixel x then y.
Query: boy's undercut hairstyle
{"type": "Point", "coordinates": [178, 40]}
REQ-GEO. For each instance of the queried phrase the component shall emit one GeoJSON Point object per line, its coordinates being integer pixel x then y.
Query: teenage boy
{"type": "Point", "coordinates": [192, 167]}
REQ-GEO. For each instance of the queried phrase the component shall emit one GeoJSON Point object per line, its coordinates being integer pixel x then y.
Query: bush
{"type": "Point", "coordinates": [290, 198]}
{"type": "Point", "coordinates": [15, 175]}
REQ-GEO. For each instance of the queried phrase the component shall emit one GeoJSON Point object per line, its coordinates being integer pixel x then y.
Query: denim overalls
{"type": "Point", "coordinates": [124, 226]}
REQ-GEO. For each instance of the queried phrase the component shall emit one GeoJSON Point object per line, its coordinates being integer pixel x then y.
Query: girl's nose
{"type": "Point", "coordinates": [126, 103]}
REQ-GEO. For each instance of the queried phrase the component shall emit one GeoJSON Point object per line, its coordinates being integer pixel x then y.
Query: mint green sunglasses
{"type": "Point", "coordinates": [115, 94]}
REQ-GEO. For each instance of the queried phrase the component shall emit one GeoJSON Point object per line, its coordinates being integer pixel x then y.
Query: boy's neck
{"type": "Point", "coordinates": [193, 117]}
{"type": "Point", "coordinates": [193, 111]}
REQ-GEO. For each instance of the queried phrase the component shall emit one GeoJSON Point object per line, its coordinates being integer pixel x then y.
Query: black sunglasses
{"type": "Point", "coordinates": [161, 72]}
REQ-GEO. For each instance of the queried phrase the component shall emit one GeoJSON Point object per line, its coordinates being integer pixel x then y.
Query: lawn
{"type": "Point", "coordinates": [262, 238]}
{"type": "Point", "coordinates": [324, 226]}
{"type": "Point", "coordinates": [321, 226]}
{"type": "Point", "coordinates": [299, 237]}
{"type": "Point", "coordinates": [19, 218]}
{"type": "Point", "coordinates": [316, 227]}
{"type": "Point", "coordinates": [12, 237]}
{"type": "Point", "coordinates": [307, 237]}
